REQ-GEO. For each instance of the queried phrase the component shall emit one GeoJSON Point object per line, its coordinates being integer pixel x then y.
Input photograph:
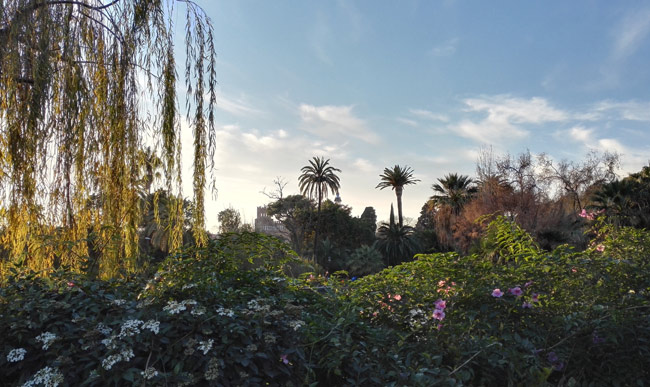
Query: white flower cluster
{"type": "Point", "coordinates": [296, 324]}
{"type": "Point", "coordinates": [149, 373]}
{"type": "Point", "coordinates": [15, 355]}
{"type": "Point", "coordinates": [205, 346]}
{"type": "Point", "coordinates": [109, 362]}
{"type": "Point", "coordinates": [188, 286]}
{"type": "Point", "coordinates": [152, 325]}
{"type": "Point", "coordinates": [251, 348]}
{"type": "Point", "coordinates": [225, 312]}
{"type": "Point", "coordinates": [130, 328]}
{"type": "Point", "coordinates": [49, 377]}
{"type": "Point", "coordinates": [418, 318]}
{"type": "Point", "coordinates": [46, 338]}
{"type": "Point", "coordinates": [257, 306]}
{"type": "Point", "coordinates": [212, 369]}
{"type": "Point", "coordinates": [198, 311]}
{"type": "Point", "coordinates": [269, 338]}
{"type": "Point", "coordinates": [103, 329]}
{"type": "Point", "coordinates": [119, 302]}
{"type": "Point", "coordinates": [110, 342]}
{"type": "Point", "coordinates": [174, 307]}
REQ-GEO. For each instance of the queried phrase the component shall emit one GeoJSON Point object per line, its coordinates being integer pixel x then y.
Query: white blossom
{"type": "Point", "coordinates": [205, 346]}
{"type": "Point", "coordinates": [15, 355]}
{"type": "Point", "coordinates": [49, 377]}
{"type": "Point", "coordinates": [152, 325]}
{"type": "Point", "coordinates": [46, 338]}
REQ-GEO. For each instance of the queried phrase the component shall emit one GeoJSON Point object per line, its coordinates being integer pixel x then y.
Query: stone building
{"type": "Point", "coordinates": [266, 225]}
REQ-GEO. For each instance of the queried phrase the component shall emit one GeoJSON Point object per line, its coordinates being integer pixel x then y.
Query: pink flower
{"type": "Point", "coordinates": [441, 283]}
{"type": "Point", "coordinates": [70, 284]}
{"type": "Point", "coordinates": [527, 284]}
{"type": "Point", "coordinates": [439, 314]}
{"type": "Point", "coordinates": [516, 291]}
{"type": "Point", "coordinates": [439, 327]}
{"type": "Point", "coordinates": [600, 248]}
{"type": "Point", "coordinates": [441, 304]}
{"type": "Point", "coordinates": [283, 358]}
{"type": "Point", "coordinates": [374, 314]}
{"type": "Point", "coordinates": [535, 297]}
{"type": "Point", "coordinates": [497, 293]}
{"type": "Point", "coordinates": [583, 213]}
{"type": "Point", "coordinates": [574, 270]}
{"type": "Point", "coordinates": [397, 297]}
{"type": "Point", "coordinates": [526, 305]}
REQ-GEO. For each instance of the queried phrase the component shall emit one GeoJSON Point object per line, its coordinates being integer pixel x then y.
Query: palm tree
{"type": "Point", "coordinates": [396, 243]}
{"type": "Point", "coordinates": [397, 178]}
{"type": "Point", "coordinates": [317, 180]}
{"type": "Point", "coordinates": [454, 191]}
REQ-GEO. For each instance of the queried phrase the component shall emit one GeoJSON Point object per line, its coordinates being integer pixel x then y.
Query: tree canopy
{"type": "Point", "coordinates": [74, 120]}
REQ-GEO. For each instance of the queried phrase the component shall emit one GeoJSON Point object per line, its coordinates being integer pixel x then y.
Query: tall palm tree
{"type": "Point", "coordinates": [397, 178]}
{"type": "Point", "coordinates": [317, 180]}
{"type": "Point", "coordinates": [454, 190]}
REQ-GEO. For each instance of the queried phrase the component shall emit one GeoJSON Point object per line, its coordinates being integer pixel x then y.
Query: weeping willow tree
{"type": "Point", "coordinates": [85, 85]}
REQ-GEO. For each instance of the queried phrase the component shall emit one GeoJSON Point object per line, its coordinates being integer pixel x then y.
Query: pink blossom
{"type": "Point", "coordinates": [516, 291]}
{"type": "Point", "coordinates": [600, 248]}
{"type": "Point", "coordinates": [441, 304]}
{"type": "Point", "coordinates": [497, 293]}
{"type": "Point", "coordinates": [439, 327]}
{"type": "Point", "coordinates": [583, 213]}
{"type": "Point", "coordinates": [526, 305]}
{"type": "Point", "coordinates": [441, 283]}
{"type": "Point", "coordinates": [535, 297]}
{"type": "Point", "coordinates": [574, 270]}
{"type": "Point", "coordinates": [439, 314]}
{"type": "Point", "coordinates": [527, 284]}
{"type": "Point", "coordinates": [284, 359]}
{"type": "Point", "coordinates": [397, 297]}
{"type": "Point", "coordinates": [70, 284]}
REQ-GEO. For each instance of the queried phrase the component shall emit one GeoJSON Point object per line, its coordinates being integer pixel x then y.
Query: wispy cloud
{"type": "Point", "coordinates": [335, 122]}
{"type": "Point", "coordinates": [505, 116]}
{"type": "Point", "coordinates": [429, 115]}
{"type": "Point", "coordinates": [364, 165]}
{"type": "Point", "coordinates": [446, 48]}
{"type": "Point", "coordinates": [237, 107]}
{"type": "Point", "coordinates": [627, 110]}
{"type": "Point", "coordinates": [630, 33]}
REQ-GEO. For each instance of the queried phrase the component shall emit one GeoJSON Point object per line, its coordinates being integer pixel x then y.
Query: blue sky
{"type": "Point", "coordinates": [371, 84]}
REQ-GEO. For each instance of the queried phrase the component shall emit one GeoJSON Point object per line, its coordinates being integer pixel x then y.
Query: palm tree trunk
{"type": "Point", "coordinates": [320, 198]}
{"type": "Point", "coordinates": [398, 193]}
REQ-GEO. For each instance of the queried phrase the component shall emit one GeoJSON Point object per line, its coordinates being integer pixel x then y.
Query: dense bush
{"type": "Point", "coordinates": [510, 314]}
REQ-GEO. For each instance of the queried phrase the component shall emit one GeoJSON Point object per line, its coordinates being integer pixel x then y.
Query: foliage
{"type": "Point", "coordinates": [72, 125]}
{"type": "Point", "coordinates": [225, 314]}
{"type": "Point", "coordinates": [396, 243]}
{"type": "Point", "coordinates": [229, 220]}
{"type": "Point", "coordinates": [295, 213]}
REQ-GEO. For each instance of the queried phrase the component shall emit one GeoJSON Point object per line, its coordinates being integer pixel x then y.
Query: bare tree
{"type": "Point", "coordinates": [575, 178]}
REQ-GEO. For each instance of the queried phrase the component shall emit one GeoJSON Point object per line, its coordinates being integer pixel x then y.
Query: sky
{"type": "Point", "coordinates": [425, 84]}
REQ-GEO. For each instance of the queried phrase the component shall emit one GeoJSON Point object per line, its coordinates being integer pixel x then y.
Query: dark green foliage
{"type": "Point", "coordinates": [561, 318]}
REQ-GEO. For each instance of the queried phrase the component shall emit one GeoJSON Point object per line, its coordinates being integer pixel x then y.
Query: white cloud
{"type": "Point", "coordinates": [237, 107]}
{"type": "Point", "coordinates": [504, 114]}
{"type": "Point", "coordinates": [631, 33]}
{"type": "Point", "coordinates": [407, 121]}
{"type": "Point", "coordinates": [629, 110]}
{"type": "Point", "coordinates": [447, 48]}
{"type": "Point", "coordinates": [581, 134]}
{"type": "Point", "coordinates": [502, 108]}
{"type": "Point", "coordinates": [335, 122]}
{"type": "Point", "coordinates": [426, 114]}
{"type": "Point", "coordinates": [363, 165]}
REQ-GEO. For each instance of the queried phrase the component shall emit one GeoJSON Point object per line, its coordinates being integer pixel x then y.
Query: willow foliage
{"type": "Point", "coordinates": [84, 85]}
